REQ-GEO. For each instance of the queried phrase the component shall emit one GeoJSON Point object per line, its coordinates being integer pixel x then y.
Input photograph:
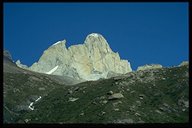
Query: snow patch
{"type": "Point", "coordinates": [94, 34]}
{"type": "Point", "coordinates": [57, 43]}
{"type": "Point", "coordinates": [31, 106]}
{"type": "Point", "coordinates": [52, 70]}
{"type": "Point", "coordinates": [38, 99]}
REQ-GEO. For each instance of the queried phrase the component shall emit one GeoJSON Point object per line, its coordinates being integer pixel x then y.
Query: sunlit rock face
{"type": "Point", "coordinates": [89, 61]}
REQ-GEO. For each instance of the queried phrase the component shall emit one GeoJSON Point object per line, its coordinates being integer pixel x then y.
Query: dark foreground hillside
{"type": "Point", "coordinates": [150, 96]}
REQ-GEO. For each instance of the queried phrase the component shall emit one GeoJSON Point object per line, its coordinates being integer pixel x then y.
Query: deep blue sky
{"type": "Point", "coordinates": [142, 33]}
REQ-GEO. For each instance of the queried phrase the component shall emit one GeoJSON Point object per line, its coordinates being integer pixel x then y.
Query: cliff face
{"type": "Point", "coordinates": [89, 61]}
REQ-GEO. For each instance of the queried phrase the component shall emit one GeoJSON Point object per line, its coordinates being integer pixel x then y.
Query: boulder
{"type": "Point", "coordinates": [105, 101]}
{"type": "Point", "coordinates": [110, 93]}
{"type": "Point", "coordinates": [115, 96]}
{"type": "Point", "coordinates": [73, 99]}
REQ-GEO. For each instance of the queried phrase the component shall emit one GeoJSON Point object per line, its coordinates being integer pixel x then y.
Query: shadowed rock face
{"type": "Point", "coordinates": [8, 64]}
{"type": "Point", "coordinates": [89, 61]}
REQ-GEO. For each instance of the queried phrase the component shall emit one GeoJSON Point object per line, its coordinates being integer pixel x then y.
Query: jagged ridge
{"type": "Point", "coordinates": [89, 61]}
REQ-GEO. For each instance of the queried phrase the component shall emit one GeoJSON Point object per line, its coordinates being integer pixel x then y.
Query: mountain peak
{"type": "Point", "coordinates": [94, 40]}
{"type": "Point", "coordinates": [95, 37]}
{"type": "Point", "coordinates": [89, 61]}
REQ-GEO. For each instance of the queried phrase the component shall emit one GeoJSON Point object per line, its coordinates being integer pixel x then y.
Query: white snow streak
{"type": "Point", "coordinates": [57, 43]}
{"type": "Point", "coordinates": [38, 99]}
{"type": "Point", "coordinates": [52, 70]}
{"type": "Point", "coordinates": [31, 104]}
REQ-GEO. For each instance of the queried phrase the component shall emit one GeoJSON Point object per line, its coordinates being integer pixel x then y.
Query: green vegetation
{"type": "Point", "coordinates": [152, 96]}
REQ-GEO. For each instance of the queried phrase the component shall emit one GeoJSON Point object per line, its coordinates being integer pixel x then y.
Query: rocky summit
{"type": "Point", "coordinates": [89, 61]}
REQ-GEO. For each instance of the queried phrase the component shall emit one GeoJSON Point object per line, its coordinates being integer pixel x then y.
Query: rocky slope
{"type": "Point", "coordinates": [89, 61]}
{"type": "Point", "coordinates": [148, 96]}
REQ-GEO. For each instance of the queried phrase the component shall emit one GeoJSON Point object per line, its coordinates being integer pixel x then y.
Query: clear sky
{"type": "Point", "coordinates": [142, 33]}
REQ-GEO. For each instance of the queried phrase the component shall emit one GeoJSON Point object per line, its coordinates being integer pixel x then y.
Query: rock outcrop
{"type": "Point", "coordinates": [184, 63]}
{"type": "Point", "coordinates": [7, 55]}
{"type": "Point", "coordinates": [152, 66]}
{"type": "Point", "coordinates": [18, 63]}
{"type": "Point", "coordinates": [89, 61]}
